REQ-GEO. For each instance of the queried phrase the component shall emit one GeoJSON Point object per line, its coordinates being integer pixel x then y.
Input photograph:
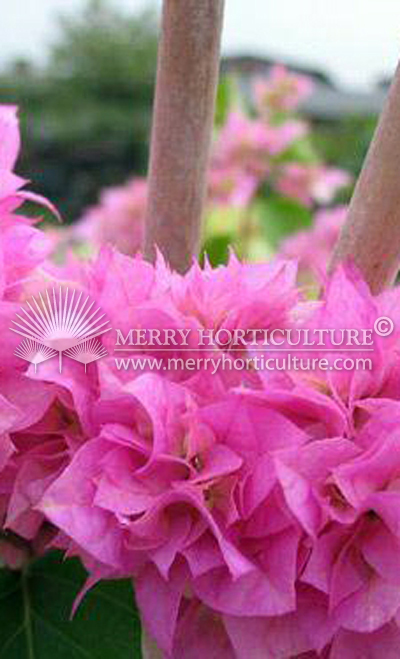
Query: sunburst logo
{"type": "Point", "coordinates": [60, 323]}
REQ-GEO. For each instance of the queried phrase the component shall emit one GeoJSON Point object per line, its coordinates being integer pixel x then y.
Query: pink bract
{"type": "Point", "coordinates": [117, 220]}
{"type": "Point", "coordinates": [312, 248]}
{"type": "Point", "coordinates": [251, 143]}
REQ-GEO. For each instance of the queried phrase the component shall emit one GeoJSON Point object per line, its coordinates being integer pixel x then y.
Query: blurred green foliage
{"type": "Point", "coordinates": [86, 114]}
{"type": "Point", "coordinates": [345, 143]}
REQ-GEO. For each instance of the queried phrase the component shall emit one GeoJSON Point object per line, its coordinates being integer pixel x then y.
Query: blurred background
{"type": "Point", "coordinates": [82, 72]}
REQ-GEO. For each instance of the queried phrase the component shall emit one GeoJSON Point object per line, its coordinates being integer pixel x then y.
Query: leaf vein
{"type": "Point", "coordinates": [68, 641]}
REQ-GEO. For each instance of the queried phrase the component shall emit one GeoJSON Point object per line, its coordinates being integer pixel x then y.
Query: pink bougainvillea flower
{"type": "Point", "coordinates": [281, 91]}
{"type": "Point", "coordinates": [311, 183]}
{"type": "Point", "coordinates": [347, 645]}
{"type": "Point", "coordinates": [303, 633]}
{"type": "Point", "coordinates": [22, 249]}
{"type": "Point", "coordinates": [231, 187]}
{"type": "Point", "coordinates": [360, 388]}
{"type": "Point", "coordinates": [236, 296]}
{"type": "Point", "coordinates": [29, 451]}
{"type": "Point", "coordinates": [348, 304]}
{"type": "Point", "coordinates": [244, 156]}
{"type": "Point", "coordinates": [170, 489]}
{"type": "Point", "coordinates": [12, 196]}
{"type": "Point", "coordinates": [9, 138]}
{"type": "Point", "coordinates": [257, 514]}
{"type": "Point", "coordinates": [22, 246]}
{"type": "Point", "coordinates": [10, 183]}
{"type": "Point", "coordinates": [250, 143]}
{"type": "Point", "coordinates": [35, 431]}
{"type": "Point", "coordinates": [265, 509]}
{"type": "Point", "coordinates": [354, 559]}
{"type": "Point", "coordinates": [313, 248]}
{"type": "Point", "coordinates": [201, 633]}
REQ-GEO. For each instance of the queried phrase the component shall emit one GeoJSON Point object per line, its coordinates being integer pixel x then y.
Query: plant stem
{"type": "Point", "coordinates": [371, 235]}
{"type": "Point", "coordinates": [187, 75]}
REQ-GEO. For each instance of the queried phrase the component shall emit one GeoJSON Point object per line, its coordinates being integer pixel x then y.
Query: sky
{"type": "Point", "coordinates": [357, 42]}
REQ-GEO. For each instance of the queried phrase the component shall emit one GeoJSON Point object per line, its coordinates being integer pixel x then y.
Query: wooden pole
{"type": "Point", "coordinates": [371, 235]}
{"type": "Point", "coordinates": [187, 75]}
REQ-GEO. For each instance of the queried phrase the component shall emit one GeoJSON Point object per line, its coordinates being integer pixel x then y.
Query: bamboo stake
{"type": "Point", "coordinates": [371, 235]}
{"type": "Point", "coordinates": [187, 76]}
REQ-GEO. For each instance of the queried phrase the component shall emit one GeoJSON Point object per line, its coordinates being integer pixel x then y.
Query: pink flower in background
{"type": "Point", "coordinates": [281, 91]}
{"type": "Point", "coordinates": [250, 144]}
{"type": "Point", "coordinates": [231, 187]}
{"type": "Point", "coordinates": [117, 220]}
{"type": "Point", "coordinates": [313, 247]}
{"type": "Point", "coordinates": [244, 157]}
{"type": "Point", "coordinates": [311, 183]}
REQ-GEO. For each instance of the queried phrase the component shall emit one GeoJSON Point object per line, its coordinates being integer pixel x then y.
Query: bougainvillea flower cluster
{"type": "Point", "coordinates": [251, 145]}
{"type": "Point", "coordinates": [251, 151]}
{"type": "Point", "coordinates": [33, 442]}
{"type": "Point", "coordinates": [282, 91]}
{"type": "Point", "coordinates": [257, 512]}
{"type": "Point", "coordinates": [310, 183]}
{"type": "Point", "coordinates": [254, 151]}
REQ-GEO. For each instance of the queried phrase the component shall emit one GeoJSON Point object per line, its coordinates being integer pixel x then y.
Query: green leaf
{"type": "Point", "coordinates": [300, 151]}
{"type": "Point", "coordinates": [217, 249]}
{"type": "Point", "coordinates": [35, 609]}
{"type": "Point", "coordinates": [280, 216]}
{"type": "Point", "coordinates": [228, 96]}
{"type": "Point", "coordinates": [222, 102]}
